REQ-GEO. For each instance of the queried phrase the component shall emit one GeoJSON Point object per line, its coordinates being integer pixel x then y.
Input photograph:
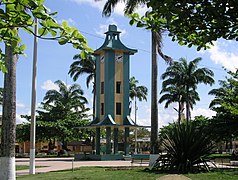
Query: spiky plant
{"type": "Point", "coordinates": [187, 147]}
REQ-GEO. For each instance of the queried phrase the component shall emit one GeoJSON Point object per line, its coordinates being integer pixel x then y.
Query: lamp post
{"type": "Point", "coordinates": [33, 104]}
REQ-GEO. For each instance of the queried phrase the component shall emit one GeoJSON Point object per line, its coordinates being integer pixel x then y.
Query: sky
{"type": "Point", "coordinates": [86, 15]}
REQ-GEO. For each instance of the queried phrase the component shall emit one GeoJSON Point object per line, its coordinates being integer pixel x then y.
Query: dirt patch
{"type": "Point", "coordinates": [173, 177]}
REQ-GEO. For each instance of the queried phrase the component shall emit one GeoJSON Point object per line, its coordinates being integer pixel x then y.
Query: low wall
{"type": "Point", "coordinates": [105, 157]}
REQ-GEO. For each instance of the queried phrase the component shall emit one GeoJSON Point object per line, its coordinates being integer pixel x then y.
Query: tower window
{"type": "Point", "coordinates": [102, 87]}
{"type": "Point", "coordinates": [118, 108]}
{"type": "Point", "coordinates": [118, 87]}
{"type": "Point", "coordinates": [102, 108]}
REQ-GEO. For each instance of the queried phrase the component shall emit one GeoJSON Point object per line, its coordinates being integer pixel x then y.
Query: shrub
{"type": "Point", "coordinates": [187, 147]}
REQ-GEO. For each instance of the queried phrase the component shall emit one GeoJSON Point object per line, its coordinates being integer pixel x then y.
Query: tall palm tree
{"type": "Point", "coordinates": [176, 94]}
{"type": "Point", "coordinates": [140, 93]}
{"type": "Point", "coordinates": [183, 77]}
{"type": "Point", "coordinates": [1, 96]}
{"type": "Point", "coordinates": [84, 66]}
{"type": "Point", "coordinates": [130, 6]}
{"type": "Point", "coordinates": [137, 92]}
{"type": "Point", "coordinates": [68, 97]}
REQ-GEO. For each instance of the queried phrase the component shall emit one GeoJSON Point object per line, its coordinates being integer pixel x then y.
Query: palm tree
{"type": "Point", "coordinates": [1, 96]}
{"type": "Point", "coordinates": [171, 95]}
{"type": "Point", "coordinates": [176, 94]}
{"type": "Point", "coordinates": [130, 6]}
{"type": "Point", "coordinates": [64, 102]}
{"type": "Point", "coordinates": [67, 97]}
{"type": "Point", "coordinates": [84, 66]}
{"type": "Point", "coordinates": [140, 93]}
{"type": "Point", "coordinates": [182, 79]}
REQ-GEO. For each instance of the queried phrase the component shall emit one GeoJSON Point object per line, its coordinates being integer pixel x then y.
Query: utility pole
{"type": "Point", "coordinates": [33, 104]}
{"type": "Point", "coordinates": [136, 148]}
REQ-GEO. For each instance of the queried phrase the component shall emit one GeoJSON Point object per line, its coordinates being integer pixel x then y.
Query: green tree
{"type": "Point", "coordinates": [137, 92]}
{"type": "Point", "coordinates": [140, 93]}
{"type": "Point", "coordinates": [196, 23]}
{"type": "Point", "coordinates": [173, 94]}
{"type": "Point", "coordinates": [63, 110]}
{"type": "Point", "coordinates": [225, 103]}
{"type": "Point", "coordinates": [68, 97]}
{"type": "Point", "coordinates": [19, 15]}
{"type": "Point", "coordinates": [226, 99]}
{"type": "Point", "coordinates": [182, 79]}
{"type": "Point", "coordinates": [156, 36]}
{"type": "Point", "coordinates": [84, 66]}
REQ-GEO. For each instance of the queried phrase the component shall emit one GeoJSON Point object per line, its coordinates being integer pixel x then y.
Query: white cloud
{"type": "Point", "coordinates": [165, 116]}
{"type": "Point", "coordinates": [104, 28]}
{"type": "Point", "coordinates": [49, 85]}
{"type": "Point", "coordinates": [100, 4]}
{"type": "Point", "coordinates": [119, 9]}
{"type": "Point", "coordinates": [222, 53]}
{"type": "Point", "coordinates": [20, 105]}
{"type": "Point", "coordinates": [203, 111]}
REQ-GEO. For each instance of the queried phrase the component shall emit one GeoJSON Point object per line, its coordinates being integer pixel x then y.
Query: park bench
{"type": "Point", "coordinates": [140, 158]}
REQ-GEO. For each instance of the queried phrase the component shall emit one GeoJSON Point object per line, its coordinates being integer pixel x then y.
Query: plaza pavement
{"type": "Point", "coordinates": [57, 164]}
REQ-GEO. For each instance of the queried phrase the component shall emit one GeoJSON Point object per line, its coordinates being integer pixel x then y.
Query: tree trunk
{"type": "Point", "coordinates": [179, 112]}
{"type": "Point", "coordinates": [94, 100]}
{"type": "Point", "coordinates": [154, 97]}
{"type": "Point", "coordinates": [187, 106]}
{"type": "Point", "coordinates": [8, 133]}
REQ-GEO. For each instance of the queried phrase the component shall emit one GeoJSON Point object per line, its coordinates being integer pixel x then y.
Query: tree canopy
{"type": "Point", "coordinates": [197, 22]}
{"type": "Point", "coordinates": [180, 83]}
{"type": "Point", "coordinates": [16, 15]}
{"type": "Point", "coordinates": [61, 111]}
{"type": "Point", "coordinates": [225, 103]}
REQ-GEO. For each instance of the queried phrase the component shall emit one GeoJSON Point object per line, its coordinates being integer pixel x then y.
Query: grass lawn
{"type": "Point", "coordinates": [102, 173]}
{"type": "Point", "coordinates": [22, 167]}
{"type": "Point", "coordinates": [223, 175]}
{"type": "Point", "coordinates": [97, 173]}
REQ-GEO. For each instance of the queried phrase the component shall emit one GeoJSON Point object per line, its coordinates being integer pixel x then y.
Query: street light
{"type": "Point", "coordinates": [33, 104]}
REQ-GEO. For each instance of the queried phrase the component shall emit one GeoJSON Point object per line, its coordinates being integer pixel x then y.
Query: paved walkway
{"type": "Point", "coordinates": [57, 164]}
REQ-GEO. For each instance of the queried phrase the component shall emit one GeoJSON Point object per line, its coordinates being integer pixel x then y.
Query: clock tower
{"type": "Point", "coordinates": [112, 90]}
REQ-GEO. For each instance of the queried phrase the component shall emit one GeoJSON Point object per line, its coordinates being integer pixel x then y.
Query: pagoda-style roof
{"type": "Point", "coordinates": [108, 121]}
{"type": "Point", "coordinates": [112, 42]}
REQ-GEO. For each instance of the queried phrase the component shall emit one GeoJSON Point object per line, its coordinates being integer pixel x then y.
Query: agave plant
{"type": "Point", "coordinates": [187, 147]}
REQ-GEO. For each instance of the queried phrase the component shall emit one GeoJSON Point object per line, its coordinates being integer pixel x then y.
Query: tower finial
{"type": "Point", "coordinates": [112, 27]}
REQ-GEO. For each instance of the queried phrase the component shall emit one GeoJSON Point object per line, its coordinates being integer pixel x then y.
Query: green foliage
{"type": "Point", "coordinates": [139, 92]}
{"type": "Point", "coordinates": [23, 132]}
{"type": "Point", "coordinates": [186, 146]}
{"type": "Point", "coordinates": [226, 98]}
{"type": "Point", "coordinates": [196, 23]}
{"type": "Point", "coordinates": [180, 81]}
{"type": "Point", "coordinates": [60, 113]}
{"type": "Point", "coordinates": [16, 15]}
{"type": "Point", "coordinates": [83, 66]}
{"type": "Point", "coordinates": [225, 103]}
